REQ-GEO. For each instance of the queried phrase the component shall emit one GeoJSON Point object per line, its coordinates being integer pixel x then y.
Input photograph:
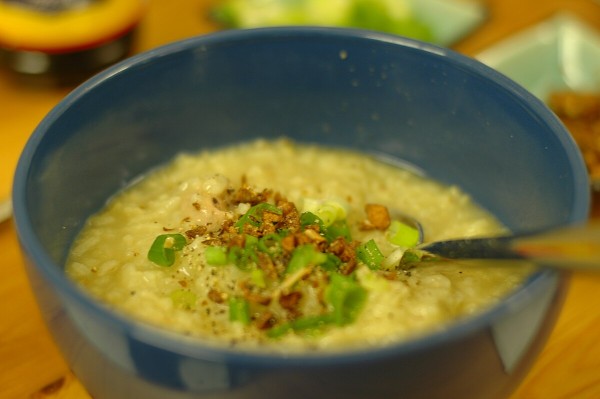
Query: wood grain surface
{"type": "Point", "coordinates": [32, 367]}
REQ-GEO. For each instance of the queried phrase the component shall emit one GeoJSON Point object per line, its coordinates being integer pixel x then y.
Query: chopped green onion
{"type": "Point", "coordinates": [370, 254]}
{"type": "Point", "coordinates": [338, 229]}
{"type": "Point", "coordinates": [279, 330]}
{"type": "Point", "coordinates": [413, 255]}
{"type": "Point", "coordinates": [184, 299]}
{"type": "Point", "coordinates": [410, 257]}
{"type": "Point", "coordinates": [234, 255]}
{"type": "Point", "coordinates": [249, 253]}
{"type": "Point", "coordinates": [244, 257]}
{"type": "Point", "coordinates": [162, 251]}
{"type": "Point", "coordinates": [332, 263]}
{"type": "Point", "coordinates": [254, 215]}
{"type": "Point", "coordinates": [304, 255]}
{"type": "Point", "coordinates": [258, 278]}
{"type": "Point", "coordinates": [328, 211]}
{"type": "Point", "coordinates": [239, 310]}
{"type": "Point", "coordinates": [310, 219]}
{"type": "Point", "coordinates": [311, 322]}
{"type": "Point", "coordinates": [346, 296]}
{"type": "Point", "coordinates": [216, 256]}
{"type": "Point", "coordinates": [306, 323]}
{"type": "Point", "coordinates": [270, 243]}
{"type": "Point", "coordinates": [402, 235]}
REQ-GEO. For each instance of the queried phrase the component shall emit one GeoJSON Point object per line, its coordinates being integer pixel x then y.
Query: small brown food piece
{"type": "Point", "coordinates": [288, 243]}
{"type": "Point", "coordinates": [265, 320]}
{"type": "Point", "coordinates": [196, 232]}
{"type": "Point", "coordinates": [290, 301]}
{"type": "Point", "coordinates": [580, 112]}
{"type": "Point", "coordinates": [217, 296]}
{"type": "Point", "coordinates": [378, 216]}
{"type": "Point", "coordinates": [343, 249]}
{"type": "Point", "coordinates": [251, 294]}
{"type": "Point", "coordinates": [291, 216]}
{"type": "Point", "coordinates": [245, 194]}
{"type": "Point", "coordinates": [270, 222]}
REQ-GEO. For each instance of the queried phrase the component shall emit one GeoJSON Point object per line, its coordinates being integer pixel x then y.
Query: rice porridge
{"type": "Point", "coordinates": [289, 247]}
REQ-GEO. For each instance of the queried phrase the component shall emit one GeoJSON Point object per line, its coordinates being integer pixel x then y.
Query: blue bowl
{"type": "Point", "coordinates": [455, 119]}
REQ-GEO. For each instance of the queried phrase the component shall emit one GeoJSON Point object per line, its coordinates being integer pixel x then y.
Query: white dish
{"type": "Point", "coordinates": [562, 53]}
{"type": "Point", "coordinates": [449, 21]}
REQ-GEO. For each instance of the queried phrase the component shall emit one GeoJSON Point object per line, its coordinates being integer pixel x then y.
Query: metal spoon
{"type": "Point", "coordinates": [570, 247]}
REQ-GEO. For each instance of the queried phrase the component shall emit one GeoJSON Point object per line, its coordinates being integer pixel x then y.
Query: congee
{"type": "Point", "coordinates": [278, 245]}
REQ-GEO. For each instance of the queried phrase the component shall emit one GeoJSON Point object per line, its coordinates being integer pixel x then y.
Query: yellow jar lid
{"type": "Point", "coordinates": [26, 29]}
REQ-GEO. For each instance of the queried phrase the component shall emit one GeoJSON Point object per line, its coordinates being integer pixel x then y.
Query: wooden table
{"type": "Point", "coordinates": [32, 367]}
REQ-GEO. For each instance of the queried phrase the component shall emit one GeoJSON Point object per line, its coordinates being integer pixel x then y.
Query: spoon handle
{"type": "Point", "coordinates": [473, 248]}
{"type": "Point", "coordinates": [573, 247]}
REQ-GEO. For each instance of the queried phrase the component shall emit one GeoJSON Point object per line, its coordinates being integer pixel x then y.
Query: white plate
{"type": "Point", "coordinates": [449, 21]}
{"type": "Point", "coordinates": [558, 54]}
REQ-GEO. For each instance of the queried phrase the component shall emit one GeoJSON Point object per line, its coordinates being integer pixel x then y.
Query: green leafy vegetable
{"type": "Point", "coordinates": [163, 249]}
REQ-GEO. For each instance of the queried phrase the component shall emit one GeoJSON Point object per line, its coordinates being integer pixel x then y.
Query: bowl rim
{"type": "Point", "coordinates": [40, 260]}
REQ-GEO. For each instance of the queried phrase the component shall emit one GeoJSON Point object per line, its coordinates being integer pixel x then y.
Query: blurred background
{"type": "Point", "coordinates": [48, 47]}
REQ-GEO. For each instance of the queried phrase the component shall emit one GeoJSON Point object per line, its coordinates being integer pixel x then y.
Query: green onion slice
{"type": "Point", "coordinates": [216, 256]}
{"type": "Point", "coordinates": [184, 299]}
{"type": "Point", "coordinates": [239, 310]}
{"type": "Point", "coordinates": [402, 235]}
{"type": "Point", "coordinates": [301, 324]}
{"type": "Point", "coordinates": [254, 215]}
{"type": "Point", "coordinates": [310, 219]}
{"type": "Point", "coordinates": [338, 228]}
{"type": "Point", "coordinates": [270, 244]}
{"type": "Point", "coordinates": [162, 251]}
{"type": "Point", "coordinates": [370, 254]}
{"type": "Point", "coordinates": [303, 256]}
{"type": "Point", "coordinates": [258, 278]}
{"type": "Point", "coordinates": [332, 263]}
{"type": "Point", "coordinates": [346, 296]}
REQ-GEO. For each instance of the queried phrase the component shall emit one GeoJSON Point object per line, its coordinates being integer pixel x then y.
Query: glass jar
{"type": "Point", "coordinates": [65, 41]}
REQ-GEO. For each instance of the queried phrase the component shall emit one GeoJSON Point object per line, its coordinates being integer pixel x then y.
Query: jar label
{"type": "Point", "coordinates": [61, 26]}
{"type": "Point", "coordinates": [50, 6]}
